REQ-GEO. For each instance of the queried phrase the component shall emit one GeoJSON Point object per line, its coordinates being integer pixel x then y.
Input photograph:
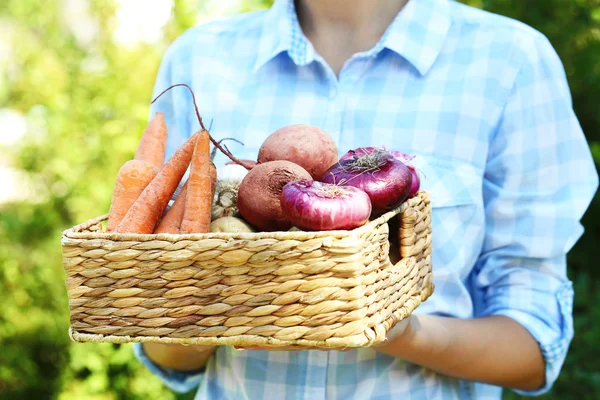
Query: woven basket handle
{"type": "Point", "coordinates": [394, 240]}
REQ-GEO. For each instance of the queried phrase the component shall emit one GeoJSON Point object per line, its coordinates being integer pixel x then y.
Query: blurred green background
{"type": "Point", "coordinates": [76, 78]}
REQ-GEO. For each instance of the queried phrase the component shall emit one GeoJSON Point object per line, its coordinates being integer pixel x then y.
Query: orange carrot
{"type": "Point", "coordinates": [171, 222]}
{"type": "Point", "coordinates": [213, 180]}
{"type": "Point", "coordinates": [153, 142]}
{"type": "Point", "coordinates": [132, 179]}
{"type": "Point", "coordinates": [198, 202]}
{"type": "Point", "coordinates": [147, 209]}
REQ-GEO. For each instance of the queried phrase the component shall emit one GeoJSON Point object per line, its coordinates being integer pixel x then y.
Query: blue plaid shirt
{"type": "Point", "coordinates": [483, 103]}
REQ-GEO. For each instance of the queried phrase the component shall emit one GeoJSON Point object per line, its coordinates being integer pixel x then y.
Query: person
{"type": "Point", "coordinates": [483, 102]}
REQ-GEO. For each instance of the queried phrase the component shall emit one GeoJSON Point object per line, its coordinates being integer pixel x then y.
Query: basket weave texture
{"type": "Point", "coordinates": [336, 289]}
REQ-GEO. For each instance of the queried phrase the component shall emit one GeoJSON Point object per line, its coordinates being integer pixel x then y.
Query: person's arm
{"type": "Point", "coordinates": [495, 350]}
{"type": "Point", "coordinates": [539, 180]}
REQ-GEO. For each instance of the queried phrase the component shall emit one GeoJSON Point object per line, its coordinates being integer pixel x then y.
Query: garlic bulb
{"type": "Point", "coordinates": [228, 183]}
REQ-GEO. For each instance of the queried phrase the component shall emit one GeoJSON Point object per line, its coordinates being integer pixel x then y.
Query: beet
{"type": "Point", "coordinates": [260, 191]}
{"type": "Point", "coordinates": [305, 145]}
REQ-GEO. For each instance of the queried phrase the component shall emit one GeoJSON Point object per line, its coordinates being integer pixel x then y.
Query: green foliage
{"type": "Point", "coordinates": [86, 102]}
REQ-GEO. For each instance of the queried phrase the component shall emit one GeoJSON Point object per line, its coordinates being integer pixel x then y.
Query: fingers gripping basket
{"type": "Point", "coordinates": [320, 289]}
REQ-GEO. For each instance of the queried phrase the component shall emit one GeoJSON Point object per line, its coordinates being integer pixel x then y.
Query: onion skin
{"type": "Point", "coordinates": [405, 158]}
{"type": "Point", "coordinates": [362, 151]}
{"type": "Point", "coordinates": [317, 206]}
{"type": "Point", "coordinates": [387, 185]}
{"type": "Point", "coordinates": [306, 145]}
{"type": "Point", "coordinates": [259, 194]}
{"type": "Point", "coordinates": [416, 181]}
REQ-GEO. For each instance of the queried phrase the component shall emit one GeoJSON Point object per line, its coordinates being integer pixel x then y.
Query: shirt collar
{"type": "Point", "coordinates": [282, 33]}
{"type": "Point", "coordinates": [419, 31]}
{"type": "Point", "coordinates": [417, 34]}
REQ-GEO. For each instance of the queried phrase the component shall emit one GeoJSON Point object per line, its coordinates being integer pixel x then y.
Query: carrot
{"type": "Point", "coordinates": [213, 180]}
{"type": "Point", "coordinates": [153, 143]}
{"type": "Point", "coordinates": [171, 222]}
{"type": "Point", "coordinates": [132, 179]}
{"type": "Point", "coordinates": [147, 209]}
{"type": "Point", "coordinates": [198, 202]}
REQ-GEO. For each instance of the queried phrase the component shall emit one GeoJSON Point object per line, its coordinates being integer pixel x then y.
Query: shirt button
{"type": "Point", "coordinates": [333, 93]}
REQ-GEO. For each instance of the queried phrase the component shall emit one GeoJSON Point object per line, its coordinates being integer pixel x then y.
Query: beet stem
{"type": "Point", "coordinates": [193, 99]}
{"type": "Point", "coordinates": [214, 151]}
{"type": "Point", "coordinates": [214, 142]}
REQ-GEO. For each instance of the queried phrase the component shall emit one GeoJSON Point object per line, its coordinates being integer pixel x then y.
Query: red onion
{"type": "Point", "coordinates": [405, 158]}
{"type": "Point", "coordinates": [384, 178]}
{"type": "Point", "coordinates": [318, 206]}
{"type": "Point", "coordinates": [416, 181]}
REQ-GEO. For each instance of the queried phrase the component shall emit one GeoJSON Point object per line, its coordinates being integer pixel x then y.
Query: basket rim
{"type": "Point", "coordinates": [75, 231]}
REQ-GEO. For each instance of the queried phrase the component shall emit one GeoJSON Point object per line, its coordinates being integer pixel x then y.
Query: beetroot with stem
{"type": "Point", "coordinates": [260, 191]}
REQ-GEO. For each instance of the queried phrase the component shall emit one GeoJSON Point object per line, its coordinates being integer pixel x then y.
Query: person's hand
{"type": "Point", "coordinates": [286, 348]}
{"type": "Point", "coordinates": [402, 329]}
{"type": "Point", "coordinates": [177, 356]}
{"type": "Point", "coordinates": [198, 348]}
{"type": "Point", "coordinates": [184, 348]}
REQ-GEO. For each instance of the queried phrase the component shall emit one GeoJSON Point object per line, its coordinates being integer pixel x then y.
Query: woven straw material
{"type": "Point", "coordinates": [335, 289]}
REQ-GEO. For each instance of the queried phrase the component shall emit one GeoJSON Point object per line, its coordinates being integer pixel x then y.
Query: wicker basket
{"type": "Point", "coordinates": [334, 289]}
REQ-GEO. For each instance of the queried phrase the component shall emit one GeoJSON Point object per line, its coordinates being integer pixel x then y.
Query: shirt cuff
{"type": "Point", "coordinates": [178, 381]}
{"type": "Point", "coordinates": [555, 350]}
